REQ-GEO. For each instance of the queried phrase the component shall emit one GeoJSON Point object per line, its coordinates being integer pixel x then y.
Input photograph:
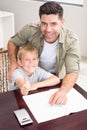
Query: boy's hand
{"type": "Point", "coordinates": [25, 88]}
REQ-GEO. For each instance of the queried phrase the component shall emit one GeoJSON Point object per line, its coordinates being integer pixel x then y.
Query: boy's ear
{"type": "Point", "coordinates": [19, 62]}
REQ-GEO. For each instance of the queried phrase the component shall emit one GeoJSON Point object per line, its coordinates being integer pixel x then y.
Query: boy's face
{"type": "Point", "coordinates": [29, 62]}
{"type": "Point", "coordinates": [50, 27]}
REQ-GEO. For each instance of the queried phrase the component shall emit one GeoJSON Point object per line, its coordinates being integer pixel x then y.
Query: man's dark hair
{"type": "Point", "coordinates": [51, 7]}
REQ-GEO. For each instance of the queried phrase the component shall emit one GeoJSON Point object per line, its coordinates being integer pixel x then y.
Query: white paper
{"type": "Point", "coordinates": [41, 109]}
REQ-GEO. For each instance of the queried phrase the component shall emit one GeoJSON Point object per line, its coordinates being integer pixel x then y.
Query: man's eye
{"type": "Point", "coordinates": [43, 24]}
{"type": "Point", "coordinates": [54, 23]}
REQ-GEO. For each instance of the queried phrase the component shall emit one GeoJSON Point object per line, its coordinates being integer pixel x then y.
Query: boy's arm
{"type": "Point", "coordinates": [23, 85]}
{"type": "Point", "coordinates": [51, 81]}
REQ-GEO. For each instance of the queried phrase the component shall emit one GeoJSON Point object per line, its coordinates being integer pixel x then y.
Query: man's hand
{"type": "Point", "coordinates": [59, 97]}
{"type": "Point", "coordinates": [12, 52]}
{"type": "Point", "coordinates": [11, 69]}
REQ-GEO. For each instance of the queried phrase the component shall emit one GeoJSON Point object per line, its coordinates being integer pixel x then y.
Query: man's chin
{"type": "Point", "coordinates": [49, 40]}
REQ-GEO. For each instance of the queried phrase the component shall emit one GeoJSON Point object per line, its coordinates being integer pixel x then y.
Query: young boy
{"type": "Point", "coordinates": [29, 76]}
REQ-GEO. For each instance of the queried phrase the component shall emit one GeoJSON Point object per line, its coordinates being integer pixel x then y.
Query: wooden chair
{"type": "Point", "coordinates": [4, 63]}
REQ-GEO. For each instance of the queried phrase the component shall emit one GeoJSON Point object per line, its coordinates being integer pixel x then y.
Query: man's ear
{"type": "Point", "coordinates": [63, 21]}
{"type": "Point", "coordinates": [19, 62]}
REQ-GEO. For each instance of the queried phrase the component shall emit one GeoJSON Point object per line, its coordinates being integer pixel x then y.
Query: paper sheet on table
{"type": "Point", "coordinates": [41, 109]}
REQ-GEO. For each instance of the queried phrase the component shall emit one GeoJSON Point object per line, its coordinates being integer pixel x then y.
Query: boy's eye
{"type": "Point", "coordinates": [26, 59]}
{"type": "Point", "coordinates": [34, 59]}
{"type": "Point", "coordinates": [31, 60]}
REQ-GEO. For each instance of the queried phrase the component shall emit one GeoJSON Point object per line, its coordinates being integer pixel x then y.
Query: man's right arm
{"type": "Point", "coordinates": [12, 52]}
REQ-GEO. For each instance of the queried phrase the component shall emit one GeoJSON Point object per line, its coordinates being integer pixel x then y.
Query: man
{"type": "Point", "coordinates": [58, 48]}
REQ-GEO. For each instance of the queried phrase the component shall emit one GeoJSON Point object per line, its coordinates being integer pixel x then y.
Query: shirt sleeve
{"type": "Point", "coordinates": [21, 37]}
{"type": "Point", "coordinates": [72, 59]}
{"type": "Point", "coordinates": [17, 74]}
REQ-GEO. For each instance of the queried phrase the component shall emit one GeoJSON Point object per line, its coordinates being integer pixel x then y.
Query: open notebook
{"type": "Point", "coordinates": [38, 104]}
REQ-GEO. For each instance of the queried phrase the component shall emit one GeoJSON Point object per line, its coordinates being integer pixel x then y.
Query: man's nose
{"type": "Point", "coordinates": [48, 28]}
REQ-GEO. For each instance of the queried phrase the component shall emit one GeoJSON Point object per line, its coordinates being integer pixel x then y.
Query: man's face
{"type": "Point", "coordinates": [51, 26]}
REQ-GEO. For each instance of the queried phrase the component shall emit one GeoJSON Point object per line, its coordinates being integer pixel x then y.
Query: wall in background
{"type": "Point", "coordinates": [6, 28]}
{"type": "Point", "coordinates": [26, 11]}
{"type": "Point", "coordinates": [70, 2]}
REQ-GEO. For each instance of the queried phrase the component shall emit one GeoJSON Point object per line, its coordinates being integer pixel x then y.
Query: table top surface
{"type": "Point", "coordinates": [11, 101]}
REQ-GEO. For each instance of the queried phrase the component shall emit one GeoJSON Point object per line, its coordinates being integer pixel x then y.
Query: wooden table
{"type": "Point", "coordinates": [12, 100]}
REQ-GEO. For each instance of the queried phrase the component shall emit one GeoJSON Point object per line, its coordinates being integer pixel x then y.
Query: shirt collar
{"type": "Point", "coordinates": [62, 36]}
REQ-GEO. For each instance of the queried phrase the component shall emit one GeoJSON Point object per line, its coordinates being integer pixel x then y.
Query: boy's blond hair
{"type": "Point", "coordinates": [27, 47]}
